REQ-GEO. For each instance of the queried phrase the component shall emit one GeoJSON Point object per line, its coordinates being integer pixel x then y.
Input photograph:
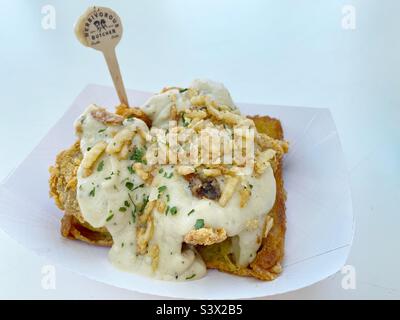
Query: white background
{"type": "Point", "coordinates": [272, 52]}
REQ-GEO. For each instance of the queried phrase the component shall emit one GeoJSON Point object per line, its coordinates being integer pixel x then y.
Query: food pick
{"type": "Point", "coordinates": [100, 28]}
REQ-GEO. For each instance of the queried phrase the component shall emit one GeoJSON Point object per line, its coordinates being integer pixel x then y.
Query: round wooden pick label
{"type": "Point", "coordinates": [99, 28]}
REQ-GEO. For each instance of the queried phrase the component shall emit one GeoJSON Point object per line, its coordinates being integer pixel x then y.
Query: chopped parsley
{"type": "Point", "coordinates": [162, 189]}
{"type": "Point", "coordinates": [190, 212]}
{"type": "Point", "coordinates": [126, 203]}
{"type": "Point", "coordinates": [139, 186]}
{"type": "Point", "coordinates": [129, 185]}
{"type": "Point", "coordinates": [137, 155]}
{"type": "Point", "coordinates": [173, 211]}
{"type": "Point", "coordinates": [130, 169]}
{"type": "Point", "coordinates": [133, 212]}
{"type": "Point", "coordinates": [122, 245]}
{"type": "Point", "coordinates": [168, 198]}
{"type": "Point", "coordinates": [191, 277]}
{"type": "Point", "coordinates": [182, 90]}
{"type": "Point", "coordinates": [110, 217]}
{"type": "Point", "coordinates": [168, 175]}
{"type": "Point", "coordinates": [166, 210]}
{"type": "Point", "coordinates": [144, 204]}
{"type": "Point", "coordinates": [102, 130]}
{"type": "Point", "coordinates": [199, 224]}
{"type": "Point", "coordinates": [130, 198]}
{"type": "Point", "coordinates": [100, 166]}
{"type": "Point", "coordinates": [92, 192]}
{"type": "Point", "coordinates": [122, 209]}
{"type": "Point", "coordinates": [161, 170]}
{"type": "Point", "coordinates": [107, 178]}
{"type": "Point", "coordinates": [88, 148]}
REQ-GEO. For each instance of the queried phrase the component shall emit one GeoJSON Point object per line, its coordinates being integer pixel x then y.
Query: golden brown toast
{"type": "Point", "coordinates": [266, 265]}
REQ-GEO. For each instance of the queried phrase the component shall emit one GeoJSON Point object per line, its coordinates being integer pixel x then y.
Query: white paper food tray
{"type": "Point", "coordinates": [319, 208]}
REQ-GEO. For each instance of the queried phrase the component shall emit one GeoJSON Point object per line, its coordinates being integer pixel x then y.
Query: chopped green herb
{"type": "Point", "coordinates": [190, 212]}
{"type": "Point", "coordinates": [107, 178]}
{"type": "Point", "coordinates": [173, 211]}
{"type": "Point", "coordinates": [133, 212]}
{"type": "Point", "coordinates": [122, 209]}
{"type": "Point", "coordinates": [191, 277]}
{"type": "Point", "coordinates": [122, 245]}
{"type": "Point", "coordinates": [102, 130]}
{"type": "Point", "coordinates": [199, 224]}
{"type": "Point", "coordinates": [130, 198]}
{"type": "Point", "coordinates": [139, 186]}
{"type": "Point", "coordinates": [126, 203]}
{"type": "Point", "coordinates": [100, 166]}
{"type": "Point", "coordinates": [144, 204]}
{"type": "Point", "coordinates": [131, 170]}
{"type": "Point", "coordinates": [166, 210]}
{"type": "Point", "coordinates": [251, 186]}
{"type": "Point", "coordinates": [110, 217]}
{"type": "Point", "coordinates": [162, 189]}
{"type": "Point", "coordinates": [183, 90]}
{"type": "Point", "coordinates": [137, 155]}
{"type": "Point", "coordinates": [168, 175]}
{"type": "Point", "coordinates": [129, 185]}
{"type": "Point", "coordinates": [168, 197]}
{"type": "Point", "coordinates": [92, 192]}
{"type": "Point", "coordinates": [161, 170]}
{"type": "Point", "coordinates": [88, 148]}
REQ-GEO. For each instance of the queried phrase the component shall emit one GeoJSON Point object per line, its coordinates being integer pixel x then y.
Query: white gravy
{"type": "Point", "coordinates": [105, 199]}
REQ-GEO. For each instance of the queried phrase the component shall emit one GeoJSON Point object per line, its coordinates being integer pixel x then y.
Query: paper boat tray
{"type": "Point", "coordinates": [319, 208]}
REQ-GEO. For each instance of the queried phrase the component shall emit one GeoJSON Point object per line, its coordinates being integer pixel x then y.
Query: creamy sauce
{"type": "Point", "coordinates": [113, 196]}
{"type": "Point", "coordinates": [158, 107]}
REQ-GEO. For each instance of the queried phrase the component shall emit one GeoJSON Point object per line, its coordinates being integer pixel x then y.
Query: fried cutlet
{"type": "Point", "coordinates": [266, 265]}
